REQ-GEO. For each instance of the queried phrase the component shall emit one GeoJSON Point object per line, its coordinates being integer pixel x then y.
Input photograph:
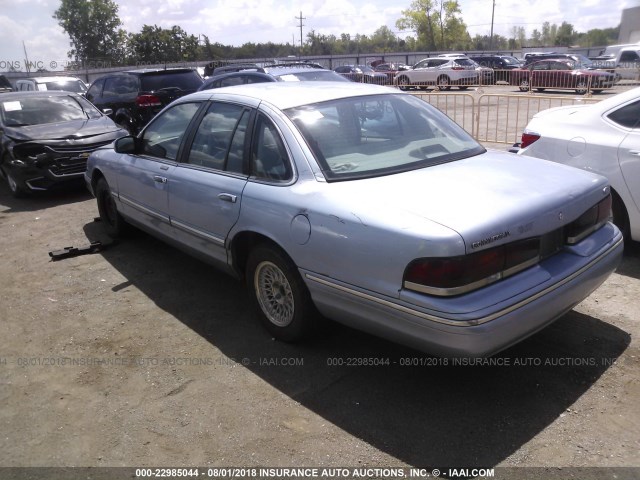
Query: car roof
{"type": "Point", "coordinates": [36, 93]}
{"type": "Point", "coordinates": [283, 70]}
{"type": "Point", "coordinates": [602, 105]}
{"type": "Point", "coordinates": [285, 95]}
{"type": "Point", "coordinates": [52, 79]}
{"type": "Point", "coordinates": [144, 71]}
{"type": "Point", "coordinates": [243, 73]}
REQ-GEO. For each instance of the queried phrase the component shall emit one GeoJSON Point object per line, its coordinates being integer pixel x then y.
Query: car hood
{"type": "Point", "coordinates": [74, 129]}
{"type": "Point", "coordinates": [488, 199]}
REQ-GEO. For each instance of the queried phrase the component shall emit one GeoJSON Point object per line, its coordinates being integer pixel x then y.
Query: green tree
{"type": "Point", "coordinates": [158, 45]}
{"type": "Point", "coordinates": [598, 37]}
{"type": "Point", "coordinates": [549, 33]}
{"type": "Point", "coordinates": [93, 27]}
{"type": "Point", "coordinates": [566, 35]}
{"type": "Point", "coordinates": [438, 24]}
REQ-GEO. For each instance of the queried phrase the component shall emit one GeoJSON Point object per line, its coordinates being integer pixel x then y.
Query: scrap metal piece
{"type": "Point", "coordinates": [68, 252]}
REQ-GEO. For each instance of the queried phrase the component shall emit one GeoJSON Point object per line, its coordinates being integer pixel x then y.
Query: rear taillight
{"type": "Point", "coordinates": [456, 275]}
{"type": "Point", "coordinates": [447, 276]}
{"type": "Point", "coordinates": [589, 221]}
{"type": "Point", "coordinates": [148, 101]}
{"type": "Point", "coordinates": [528, 138]}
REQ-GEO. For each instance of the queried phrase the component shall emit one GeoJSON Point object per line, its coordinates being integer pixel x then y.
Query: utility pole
{"type": "Point", "coordinates": [301, 25]}
{"type": "Point", "coordinates": [493, 10]}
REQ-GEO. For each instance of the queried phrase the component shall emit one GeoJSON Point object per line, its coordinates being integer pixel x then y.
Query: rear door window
{"type": "Point", "coordinates": [219, 141]}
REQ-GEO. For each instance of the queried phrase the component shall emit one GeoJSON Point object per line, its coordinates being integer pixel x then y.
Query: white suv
{"type": "Point", "coordinates": [441, 71]}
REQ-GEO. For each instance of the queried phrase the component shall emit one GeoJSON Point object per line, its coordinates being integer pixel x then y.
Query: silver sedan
{"type": "Point", "coordinates": [366, 205]}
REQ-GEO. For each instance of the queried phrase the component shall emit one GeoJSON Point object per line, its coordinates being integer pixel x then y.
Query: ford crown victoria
{"type": "Point", "coordinates": [366, 205]}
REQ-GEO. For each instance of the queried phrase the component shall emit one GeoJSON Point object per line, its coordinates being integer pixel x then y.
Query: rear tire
{"type": "Point", "coordinates": [620, 217]}
{"type": "Point", "coordinates": [581, 88]}
{"type": "Point", "coordinates": [443, 82]}
{"type": "Point", "coordinates": [114, 225]}
{"type": "Point", "coordinates": [279, 294]}
{"type": "Point", "coordinates": [403, 83]}
{"type": "Point", "coordinates": [524, 85]}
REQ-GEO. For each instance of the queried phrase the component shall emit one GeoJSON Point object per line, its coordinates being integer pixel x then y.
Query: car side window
{"type": "Point", "coordinates": [269, 159]}
{"type": "Point", "coordinates": [540, 66]}
{"type": "Point", "coordinates": [95, 89]}
{"type": "Point", "coordinates": [219, 141]}
{"type": "Point", "coordinates": [627, 116]}
{"type": "Point", "coordinates": [629, 56]}
{"type": "Point", "coordinates": [162, 137]}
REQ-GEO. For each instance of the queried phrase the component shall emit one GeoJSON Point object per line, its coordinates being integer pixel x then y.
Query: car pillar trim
{"type": "Point", "coordinates": [475, 321]}
{"type": "Point", "coordinates": [146, 210]}
{"type": "Point", "coordinates": [197, 232]}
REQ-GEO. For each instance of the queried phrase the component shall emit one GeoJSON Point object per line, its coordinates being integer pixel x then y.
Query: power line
{"type": "Point", "coordinates": [301, 25]}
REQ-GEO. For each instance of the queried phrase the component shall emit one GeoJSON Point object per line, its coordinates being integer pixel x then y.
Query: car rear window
{"type": "Point", "coordinates": [377, 135]}
{"type": "Point", "coordinates": [183, 80]}
{"type": "Point", "coordinates": [71, 86]}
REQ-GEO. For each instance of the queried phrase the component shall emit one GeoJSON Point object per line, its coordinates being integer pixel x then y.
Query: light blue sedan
{"type": "Point", "coordinates": [366, 205]}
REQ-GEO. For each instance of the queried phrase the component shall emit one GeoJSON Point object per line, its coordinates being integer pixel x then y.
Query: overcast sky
{"type": "Point", "coordinates": [234, 22]}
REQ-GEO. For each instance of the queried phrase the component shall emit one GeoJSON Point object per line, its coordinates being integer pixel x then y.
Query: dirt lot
{"type": "Point", "coordinates": [143, 356]}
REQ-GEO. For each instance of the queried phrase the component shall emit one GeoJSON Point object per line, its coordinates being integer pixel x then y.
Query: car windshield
{"type": "Point", "coordinates": [37, 110]}
{"type": "Point", "coordinates": [583, 62]}
{"type": "Point", "coordinates": [364, 68]}
{"type": "Point", "coordinates": [378, 135]}
{"type": "Point", "coordinates": [181, 80]}
{"type": "Point", "coordinates": [68, 86]}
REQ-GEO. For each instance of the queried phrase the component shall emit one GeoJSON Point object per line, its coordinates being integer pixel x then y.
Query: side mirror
{"type": "Point", "coordinates": [107, 111]}
{"type": "Point", "coordinates": [125, 145]}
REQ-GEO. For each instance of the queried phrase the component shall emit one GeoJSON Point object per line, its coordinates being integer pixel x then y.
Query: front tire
{"type": "Point", "coordinates": [16, 190]}
{"type": "Point", "coordinates": [114, 225]}
{"type": "Point", "coordinates": [581, 88]}
{"type": "Point", "coordinates": [279, 294]}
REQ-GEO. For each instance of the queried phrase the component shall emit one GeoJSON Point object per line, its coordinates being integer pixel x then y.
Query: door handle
{"type": "Point", "coordinates": [635, 152]}
{"type": "Point", "coordinates": [159, 179]}
{"type": "Point", "coordinates": [227, 197]}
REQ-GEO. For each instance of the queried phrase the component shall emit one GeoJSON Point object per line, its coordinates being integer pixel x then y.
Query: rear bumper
{"type": "Point", "coordinates": [497, 327]}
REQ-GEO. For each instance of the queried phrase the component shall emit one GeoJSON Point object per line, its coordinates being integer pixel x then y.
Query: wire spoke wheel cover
{"type": "Point", "coordinates": [274, 294]}
{"type": "Point", "coordinates": [279, 295]}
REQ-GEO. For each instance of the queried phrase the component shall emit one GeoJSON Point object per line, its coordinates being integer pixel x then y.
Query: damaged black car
{"type": "Point", "coordinates": [46, 138]}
